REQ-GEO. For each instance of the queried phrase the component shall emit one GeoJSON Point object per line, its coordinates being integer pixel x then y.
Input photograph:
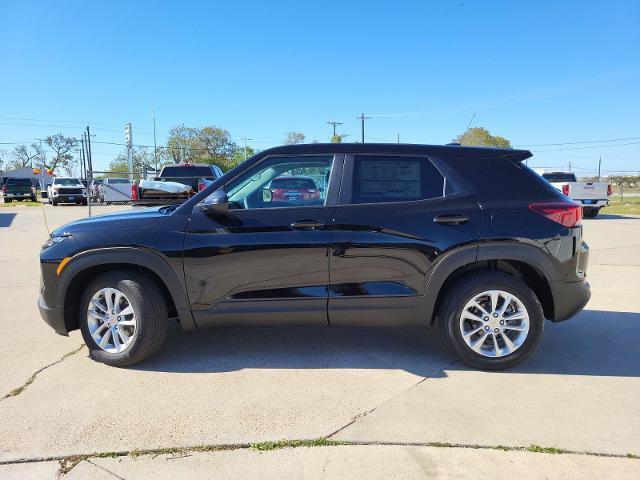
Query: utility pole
{"type": "Point", "coordinates": [129, 142]}
{"type": "Point", "coordinates": [90, 164]}
{"type": "Point", "coordinates": [155, 147]}
{"type": "Point", "coordinates": [245, 145]}
{"type": "Point", "coordinates": [334, 124]}
{"type": "Point", "coordinates": [569, 165]}
{"type": "Point", "coordinates": [398, 137]}
{"type": "Point", "coordinates": [363, 118]}
{"type": "Point", "coordinates": [599, 165]}
{"type": "Point", "coordinates": [42, 169]}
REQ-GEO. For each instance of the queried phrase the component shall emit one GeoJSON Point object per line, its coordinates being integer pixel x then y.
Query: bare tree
{"type": "Point", "coordinates": [62, 147]}
{"type": "Point", "coordinates": [292, 138]}
{"type": "Point", "coordinates": [24, 156]}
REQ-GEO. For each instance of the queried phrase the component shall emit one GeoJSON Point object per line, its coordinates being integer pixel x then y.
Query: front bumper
{"type": "Point", "coordinates": [53, 316]}
{"type": "Point", "coordinates": [569, 298]}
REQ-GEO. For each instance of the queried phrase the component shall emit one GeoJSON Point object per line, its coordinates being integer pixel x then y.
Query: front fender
{"type": "Point", "coordinates": [135, 256]}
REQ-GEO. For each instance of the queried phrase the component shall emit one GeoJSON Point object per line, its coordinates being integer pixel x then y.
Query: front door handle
{"type": "Point", "coordinates": [307, 225]}
{"type": "Point", "coordinates": [451, 219]}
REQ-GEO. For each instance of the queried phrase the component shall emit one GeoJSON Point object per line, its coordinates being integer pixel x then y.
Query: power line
{"type": "Point", "coordinates": [578, 142]}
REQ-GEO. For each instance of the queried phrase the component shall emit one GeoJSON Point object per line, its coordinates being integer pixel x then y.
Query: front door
{"type": "Point", "coordinates": [266, 262]}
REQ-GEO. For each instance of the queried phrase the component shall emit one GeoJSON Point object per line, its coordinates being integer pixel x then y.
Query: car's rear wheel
{"type": "Point", "coordinates": [123, 318]}
{"type": "Point", "coordinates": [54, 203]}
{"type": "Point", "coordinates": [492, 320]}
{"type": "Point", "coordinates": [8, 200]}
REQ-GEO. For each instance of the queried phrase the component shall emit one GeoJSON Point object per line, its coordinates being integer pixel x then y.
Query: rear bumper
{"type": "Point", "coordinates": [569, 298]}
{"type": "Point", "coordinates": [592, 203]}
{"type": "Point", "coordinates": [53, 316]}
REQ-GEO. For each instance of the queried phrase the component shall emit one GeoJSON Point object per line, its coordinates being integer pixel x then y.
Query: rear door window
{"type": "Point", "coordinates": [381, 179]}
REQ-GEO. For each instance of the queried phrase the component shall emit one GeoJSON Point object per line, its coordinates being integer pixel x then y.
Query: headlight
{"type": "Point", "coordinates": [53, 240]}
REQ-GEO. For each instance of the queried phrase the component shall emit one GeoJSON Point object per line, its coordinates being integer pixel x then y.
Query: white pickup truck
{"type": "Point", "coordinates": [591, 195]}
{"type": "Point", "coordinates": [66, 190]}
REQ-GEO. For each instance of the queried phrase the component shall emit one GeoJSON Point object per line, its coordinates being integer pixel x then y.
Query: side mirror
{"type": "Point", "coordinates": [216, 204]}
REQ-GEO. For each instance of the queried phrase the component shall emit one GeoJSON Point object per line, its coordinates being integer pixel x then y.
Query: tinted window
{"type": "Point", "coordinates": [258, 186]}
{"type": "Point", "coordinates": [559, 177]}
{"type": "Point", "coordinates": [394, 179]}
{"type": "Point", "coordinates": [294, 183]}
{"type": "Point", "coordinates": [182, 171]}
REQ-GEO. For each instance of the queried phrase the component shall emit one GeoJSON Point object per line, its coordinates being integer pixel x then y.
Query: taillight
{"type": "Point", "coordinates": [565, 189]}
{"type": "Point", "coordinates": [200, 185]}
{"type": "Point", "coordinates": [609, 191]}
{"type": "Point", "coordinates": [567, 214]}
{"type": "Point", "coordinates": [134, 192]}
{"type": "Point", "coordinates": [4, 189]}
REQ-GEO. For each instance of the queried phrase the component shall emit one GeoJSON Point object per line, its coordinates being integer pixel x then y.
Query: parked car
{"type": "Point", "coordinates": [66, 190]}
{"type": "Point", "coordinates": [114, 189]}
{"type": "Point", "coordinates": [294, 188]}
{"type": "Point", "coordinates": [18, 189]}
{"type": "Point", "coordinates": [591, 195]}
{"type": "Point", "coordinates": [467, 239]}
{"type": "Point", "coordinates": [175, 184]}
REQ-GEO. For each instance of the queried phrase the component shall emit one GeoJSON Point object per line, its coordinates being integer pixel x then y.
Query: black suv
{"type": "Point", "coordinates": [469, 239]}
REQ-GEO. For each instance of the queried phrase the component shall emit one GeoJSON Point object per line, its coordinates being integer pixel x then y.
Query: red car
{"type": "Point", "coordinates": [294, 188]}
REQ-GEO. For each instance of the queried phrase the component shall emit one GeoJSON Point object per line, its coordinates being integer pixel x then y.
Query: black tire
{"type": "Point", "coordinates": [463, 291]}
{"type": "Point", "coordinates": [149, 307]}
{"type": "Point", "coordinates": [8, 200]}
{"type": "Point", "coordinates": [54, 202]}
{"type": "Point", "coordinates": [84, 202]}
{"type": "Point", "coordinates": [590, 212]}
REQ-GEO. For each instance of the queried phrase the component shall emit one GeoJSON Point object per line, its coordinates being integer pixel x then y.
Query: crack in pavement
{"type": "Point", "coordinates": [106, 470]}
{"type": "Point", "coordinates": [17, 391]}
{"type": "Point", "coordinates": [364, 414]}
{"type": "Point", "coordinates": [67, 462]}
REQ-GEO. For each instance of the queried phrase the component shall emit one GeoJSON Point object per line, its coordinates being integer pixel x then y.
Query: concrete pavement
{"type": "Point", "coordinates": [578, 392]}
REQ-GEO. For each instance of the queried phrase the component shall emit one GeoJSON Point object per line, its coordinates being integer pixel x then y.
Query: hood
{"type": "Point", "coordinates": [125, 219]}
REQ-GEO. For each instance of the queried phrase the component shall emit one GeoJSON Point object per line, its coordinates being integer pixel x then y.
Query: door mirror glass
{"type": "Point", "coordinates": [267, 195]}
{"type": "Point", "coordinates": [216, 204]}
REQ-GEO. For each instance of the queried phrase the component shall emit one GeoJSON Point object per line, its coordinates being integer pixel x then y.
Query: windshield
{"type": "Point", "coordinates": [559, 177]}
{"type": "Point", "coordinates": [65, 182]}
{"type": "Point", "coordinates": [19, 181]}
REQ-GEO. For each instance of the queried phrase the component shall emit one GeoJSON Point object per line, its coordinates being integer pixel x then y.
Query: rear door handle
{"type": "Point", "coordinates": [452, 219]}
{"type": "Point", "coordinates": [307, 225]}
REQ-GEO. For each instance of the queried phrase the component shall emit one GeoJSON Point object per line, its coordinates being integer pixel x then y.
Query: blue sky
{"type": "Point", "coordinates": [535, 72]}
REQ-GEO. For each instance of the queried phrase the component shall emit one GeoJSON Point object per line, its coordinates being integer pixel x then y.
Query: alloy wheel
{"type": "Point", "coordinates": [494, 323]}
{"type": "Point", "coordinates": [111, 320]}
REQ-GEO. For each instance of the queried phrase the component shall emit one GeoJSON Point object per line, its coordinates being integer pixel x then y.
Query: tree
{"type": "Point", "coordinates": [338, 138]}
{"type": "Point", "coordinates": [239, 155]}
{"type": "Point", "coordinates": [201, 145]}
{"type": "Point", "coordinates": [62, 147]}
{"type": "Point", "coordinates": [24, 156]}
{"type": "Point", "coordinates": [480, 137]}
{"type": "Point", "coordinates": [140, 157]}
{"type": "Point", "coordinates": [293, 138]}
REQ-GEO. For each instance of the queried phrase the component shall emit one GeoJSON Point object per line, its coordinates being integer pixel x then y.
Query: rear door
{"type": "Point", "coordinates": [396, 217]}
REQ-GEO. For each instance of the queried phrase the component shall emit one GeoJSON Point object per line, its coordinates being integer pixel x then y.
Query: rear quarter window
{"type": "Point", "coordinates": [379, 179]}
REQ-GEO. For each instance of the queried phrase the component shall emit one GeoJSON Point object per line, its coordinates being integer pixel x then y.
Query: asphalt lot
{"type": "Point", "coordinates": [399, 394]}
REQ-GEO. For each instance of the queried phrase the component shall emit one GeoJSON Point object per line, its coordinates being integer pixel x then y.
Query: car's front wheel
{"type": "Point", "coordinates": [123, 317]}
{"type": "Point", "coordinates": [492, 320]}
